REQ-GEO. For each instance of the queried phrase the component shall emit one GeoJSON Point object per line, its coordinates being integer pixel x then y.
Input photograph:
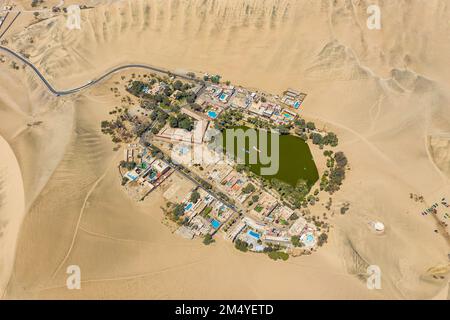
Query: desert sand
{"type": "Point", "coordinates": [385, 93]}
{"type": "Point", "coordinates": [12, 208]}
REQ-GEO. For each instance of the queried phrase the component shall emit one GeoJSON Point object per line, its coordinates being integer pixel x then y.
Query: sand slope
{"type": "Point", "coordinates": [12, 209]}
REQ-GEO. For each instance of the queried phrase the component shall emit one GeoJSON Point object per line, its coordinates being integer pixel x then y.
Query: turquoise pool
{"type": "Point", "coordinates": [296, 104]}
{"type": "Point", "coordinates": [215, 224]}
{"type": "Point", "coordinates": [223, 97]}
{"type": "Point", "coordinates": [308, 239]}
{"type": "Point", "coordinates": [188, 206]}
{"type": "Point", "coordinates": [212, 114]}
{"type": "Point", "coordinates": [132, 176]}
{"type": "Point", "coordinates": [253, 234]}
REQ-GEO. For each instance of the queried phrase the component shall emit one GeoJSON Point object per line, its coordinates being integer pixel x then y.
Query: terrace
{"type": "Point", "coordinates": [264, 206]}
{"type": "Point", "coordinates": [293, 98]}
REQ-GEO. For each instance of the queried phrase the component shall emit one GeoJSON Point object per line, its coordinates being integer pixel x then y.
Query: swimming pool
{"type": "Point", "coordinates": [152, 175]}
{"type": "Point", "coordinates": [215, 224]}
{"type": "Point", "coordinates": [212, 114]}
{"type": "Point", "coordinates": [253, 234]}
{"type": "Point", "coordinates": [188, 206]}
{"type": "Point", "coordinates": [223, 97]}
{"type": "Point", "coordinates": [132, 176]}
{"type": "Point", "coordinates": [296, 104]}
{"type": "Point", "coordinates": [308, 239]}
{"type": "Point", "coordinates": [287, 115]}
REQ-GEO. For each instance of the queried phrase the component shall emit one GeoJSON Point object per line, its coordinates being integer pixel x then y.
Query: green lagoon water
{"type": "Point", "coordinates": [295, 159]}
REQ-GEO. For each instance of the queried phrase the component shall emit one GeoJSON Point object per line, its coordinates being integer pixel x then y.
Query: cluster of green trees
{"type": "Point", "coordinates": [333, 177]}
{"type": "Point", "coordinates": [136, 88]}
{"type": "Point", "coordinates": [195, 107]}
{"type": "Point", "coordinates": [107, 127]}
{"type": "Point", "coordinates": [249, 188]}
{"type": "Point", "coordinates": [162, 99]}
{"type": "Point", "coordinates": [111, 127]}
{"type": "Point", "coordinates": [195, 196]}
{"type": "Point", "coordinates": [213, 79]}
{"type": "Point", "coordinates": [301, 127]}
{"type": "Point", "coordinates": [302, 124]}
{"type": "Point", "coordinates": [241, 245]}
{"type": "Point", "coordinates": [178, 85]}
{"type": "Point", "coordinates": [260, 123]}
{"type": "Point", "coordinates": [240, 167]}
{"type": "Point", "coordinates": [164, 109]}
{"type": "Point", "coordinates": [188, 95]}
{"type": "Point", "coordinates": [159, 100]}
{"type": "Point", "coordinates": [294, 195]}
{"type": "Point", "coordinates": [177, 214]}
{"type": "Point", "coordinates": [35, 3]}
{"type": "Point", "coordinates": [284, 129]}
{"type": "Point", "coordinates": [296, 241]}
{"type": "Point", "coordinates": [159, 115]}
{"type": "Point", "coordinates": [181, 121]}
{"type": "Point", "coordinates": [275, 255]}
{"type": "Point", "coordinates": [130, 165]}
{"type": "Point", "coordinates": [206, 212]}
{"type": "Point", "coordinates": [323, 238]}
{"type": "Point", "coordinates": [208, 239]}
{"type": "Point", "coordinates": [228, 119]}
{"type": "Point", "coordinates": [329, 139]}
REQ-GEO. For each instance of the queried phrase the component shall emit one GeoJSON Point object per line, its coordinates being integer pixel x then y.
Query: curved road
{"type": "Point", "coordinates": [92, 82]}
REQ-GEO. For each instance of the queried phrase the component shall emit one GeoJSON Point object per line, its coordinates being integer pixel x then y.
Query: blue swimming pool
{"type": "Point", "coordinates": [287, 115]}
{"type": "Point", "coordinates": [223, 97]}
{"type": "Point", "coordinates": [253, 234]}
{"type": "Point", "coordinates": [212, 114]}
{"type": "Point", "coordinates": [308, 239]}
{"type": "Point", "coordinates": [215, 224]}
{"type": "Point", "coordinates": [132, 176]}
{"type": "Point", "coordinates": [188, 206]}
{"type": "Point", "coordinates": [296, 104]}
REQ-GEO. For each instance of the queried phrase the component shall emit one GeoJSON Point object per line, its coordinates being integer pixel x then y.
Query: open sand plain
{"type": "Point", "coordinates": [385, 93]}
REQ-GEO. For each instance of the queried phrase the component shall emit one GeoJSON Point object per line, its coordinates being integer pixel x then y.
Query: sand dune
{"type": "Point", "coordinates": [384, 92]}
{"type": "Point", "coordinates": [12, 210]}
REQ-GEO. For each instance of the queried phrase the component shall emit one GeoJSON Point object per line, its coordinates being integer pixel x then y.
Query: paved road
{"type": "Point", "coordinates": [92, 82]}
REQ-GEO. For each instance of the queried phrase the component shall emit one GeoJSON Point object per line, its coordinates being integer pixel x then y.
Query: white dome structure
{"type": "Point", "coordinates": [377, 226]}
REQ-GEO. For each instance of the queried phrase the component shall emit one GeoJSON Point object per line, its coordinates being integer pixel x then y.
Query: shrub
{"type": "Point", "coordinates": [241, 245]}
{"type": "Point", "coordinates": [249, 188]}
{"type": "Point", "coordinates": [195, 196]}
{"type": "Point", "coordinates": [275, 255]}
{"type": "Point", "coordinates": [208, 239]}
